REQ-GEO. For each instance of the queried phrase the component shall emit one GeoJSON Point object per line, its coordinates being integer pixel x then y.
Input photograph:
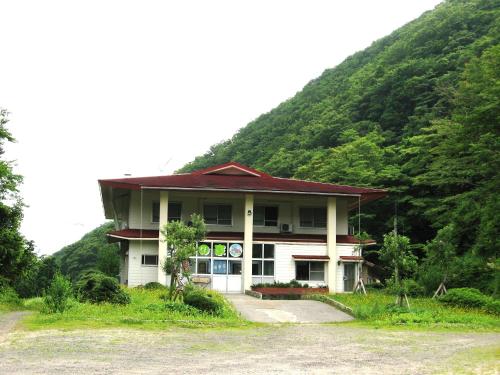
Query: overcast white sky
{"type": "Point", "coordinates": [101, 88]}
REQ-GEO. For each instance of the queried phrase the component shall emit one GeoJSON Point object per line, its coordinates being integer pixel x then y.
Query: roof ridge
{"type": "Point", "coordinates": [327, 183]}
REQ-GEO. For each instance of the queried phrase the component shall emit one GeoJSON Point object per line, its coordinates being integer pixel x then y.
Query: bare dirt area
{"type": "Point", "coordinates": [282, 349]}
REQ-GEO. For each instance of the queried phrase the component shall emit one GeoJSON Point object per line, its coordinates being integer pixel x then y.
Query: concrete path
{"type": "Point", "coordinates": [286, 311]}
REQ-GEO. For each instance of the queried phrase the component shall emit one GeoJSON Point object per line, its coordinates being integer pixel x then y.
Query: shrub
{"type": "Point", "coordinates": [8, 296]}
{"type": "Point", "coordinates": [412, 288]}
{"type": "Point", "coordinates": [277, 284]}
{"type": "Point", "coordinates": [154, 285]}
{"type": "Point", "coordinates": [375, 286]}
{"type": "Point", "coordinates": [493, 307]}
{"type": "Point", "coordinates": [57, 294]}
{"type": "Point", "coordinates": [465, 297]}
{"type": "Point", "coordinates": [205, 300]}
{"type": "Point", "coordinates": [96, 287]}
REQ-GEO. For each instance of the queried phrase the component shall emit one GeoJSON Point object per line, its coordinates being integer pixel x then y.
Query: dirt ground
{"type": "Point", "coordinates": [271, 349]}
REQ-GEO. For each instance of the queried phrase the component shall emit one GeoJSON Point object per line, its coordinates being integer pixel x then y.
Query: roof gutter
{"type": "Point", "coordinates": [255, 191]}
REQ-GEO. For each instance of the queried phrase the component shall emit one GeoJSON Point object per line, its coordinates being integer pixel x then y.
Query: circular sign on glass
{"type": "Point", "coordinates": [235, 250]}
{"type": "Point", "coordinates": [204, 249]}
{"type": "Point", "coordinates": [219, 249]}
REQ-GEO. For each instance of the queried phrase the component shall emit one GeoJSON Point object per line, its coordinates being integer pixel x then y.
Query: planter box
{"type": "Point", "coordinates": [293, 291]}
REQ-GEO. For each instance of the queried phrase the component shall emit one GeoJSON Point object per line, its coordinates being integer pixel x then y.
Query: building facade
{"type": "Point", "coordinates": [261, 228]}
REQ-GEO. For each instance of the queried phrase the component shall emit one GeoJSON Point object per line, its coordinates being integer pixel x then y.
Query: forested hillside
{"type": "Point", "coordinates": [418, 113]}
{"type": "Point", "coordinates": [91, 252]}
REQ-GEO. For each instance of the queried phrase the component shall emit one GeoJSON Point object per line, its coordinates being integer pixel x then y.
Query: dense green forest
{"type": "Point", "coordinates": [418, 113]}
{"type": "Point", "coordinates": [91, 252]}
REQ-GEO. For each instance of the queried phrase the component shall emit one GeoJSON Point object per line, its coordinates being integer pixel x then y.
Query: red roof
{"type": "Point", "coordinates": [132, 234]}
{"type": "Point", "coordinates": [311, 257]}
{"type": "Point", "coordinates": [239, 178]}
{"type": "Point", "coordinates": [351, 258]}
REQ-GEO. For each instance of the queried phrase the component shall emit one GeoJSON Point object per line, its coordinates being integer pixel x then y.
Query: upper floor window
{"type": "Point", "coordinates": [174, 212]}
{"type": "Point", "coordinates": [313, 217]}
{"type": "Point", "coordinates": [265, 216]}
{"type": "Point", "coordinates": [220, 214]}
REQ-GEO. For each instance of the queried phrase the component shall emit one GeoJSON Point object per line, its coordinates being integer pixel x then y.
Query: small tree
{"type": "Point", "coordinates": [441, 252]}
{"type": "Point", "coordinates": [181, 240]}
{"type": "Point", "coordinates": [57, 294]}
{"type": "Point", "coordinates": [396, 252]}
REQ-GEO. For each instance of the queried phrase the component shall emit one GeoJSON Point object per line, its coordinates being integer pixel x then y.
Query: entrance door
{"type": "Point", "coordinates": [348, 277]}
{"type": "Point", "coordinates": [222, 262]}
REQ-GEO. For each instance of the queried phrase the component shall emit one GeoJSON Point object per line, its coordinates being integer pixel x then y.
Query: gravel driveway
{"type": "Point", "coordinates": [276, 349]}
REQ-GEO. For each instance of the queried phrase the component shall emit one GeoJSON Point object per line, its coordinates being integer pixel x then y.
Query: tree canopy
{"type": "Point", "coordinates": [16, 253]}
{"type": "Point", "coordinates": [91, 252]}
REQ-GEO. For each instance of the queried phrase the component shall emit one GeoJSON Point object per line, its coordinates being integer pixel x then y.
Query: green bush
{"type": "Point", "coordinates": [493, 307]}
{"type": "Point", "coordinates": [277, 284]}
{"type": "Point", "coordinates": [9, 297]}
{"type": "Point", "coordinates": [201, 300]}
{"type": "Point", "coordinates": [465, 297]}
{"type": "Point", "coordinates": [96, 287]}
{"type": "Point", "coordinates": [153, 285]}
{"type": "Point", "coordinates": [412, 288]}
{"type": "Point", "coordinates": [205, 300]}
{"type": "Point", "coordinates": [57, 294]}
{"type": "Point", "coordinates": [375, 286]}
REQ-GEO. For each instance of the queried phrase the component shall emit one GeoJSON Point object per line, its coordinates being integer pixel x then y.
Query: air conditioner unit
{"type": "Point", "coordinates": [286, 228]}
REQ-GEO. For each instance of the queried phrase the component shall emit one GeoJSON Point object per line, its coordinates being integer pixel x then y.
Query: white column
{"type": "Point", "coordinates": [162, 245]}
{"type": "Point", "coordinates": [331, 242]}
{"type": "Point", "coordinates": [247, 242]}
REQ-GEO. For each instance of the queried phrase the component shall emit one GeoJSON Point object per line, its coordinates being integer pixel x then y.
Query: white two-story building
{"type": "Point", "coordinates": [260, 228]}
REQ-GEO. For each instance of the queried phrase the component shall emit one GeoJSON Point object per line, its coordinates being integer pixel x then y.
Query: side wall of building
{"type": "Point", "coordinates": [139, 274]}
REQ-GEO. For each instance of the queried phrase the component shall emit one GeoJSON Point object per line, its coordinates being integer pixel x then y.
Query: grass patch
{"type": "Point", "coordinates": [377, 309]}
{"type": "Point", "coordinates": [147, 310]}
{"type": "Point", "coordinates": [482, 360]}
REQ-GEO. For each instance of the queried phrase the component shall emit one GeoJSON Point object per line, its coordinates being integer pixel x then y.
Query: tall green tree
{"type": "Point", "coordinates": [16, 254]}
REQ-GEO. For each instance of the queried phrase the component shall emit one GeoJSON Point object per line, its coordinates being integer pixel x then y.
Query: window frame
{"type": "Point", "coordinates": [169, 219]}
{"type": "Point", "coordinates": [314, 217]}
{"type": "Point", "coordinates": [217, 205]}
{"type": "Point", "coordinates": [211, 258]}
{"type": "Point", "coordinates": [143, 258]}
{"type": "Point", "coordinates": [262, 259]}
{"type": "Point", "coordinates": [309, 271]}
{"type": "Point", "coordinates": [265, 221]}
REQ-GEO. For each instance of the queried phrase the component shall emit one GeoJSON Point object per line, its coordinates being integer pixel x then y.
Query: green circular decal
{"type": "Point", "coordinates": [220, 250]}
{"type": "Point", "coordinates": [204, 249]}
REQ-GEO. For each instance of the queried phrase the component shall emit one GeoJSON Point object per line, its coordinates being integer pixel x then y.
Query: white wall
{"type": "Point", "coordinates": [284, 268]}
{"type": "Point", "coordinates": [137, 273]}
{"type": "Point", "coordinates": [285, 265]}
{"type": "Point", "coordinates": [148, 197]}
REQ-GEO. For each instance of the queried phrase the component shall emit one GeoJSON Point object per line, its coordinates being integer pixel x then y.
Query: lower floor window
{"type": "Point", "coordinates": [263, 260]}
{"type": "Point", "coordinates": [149, 260]}
{"type": "Point", "coordinates": [310, 271]}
